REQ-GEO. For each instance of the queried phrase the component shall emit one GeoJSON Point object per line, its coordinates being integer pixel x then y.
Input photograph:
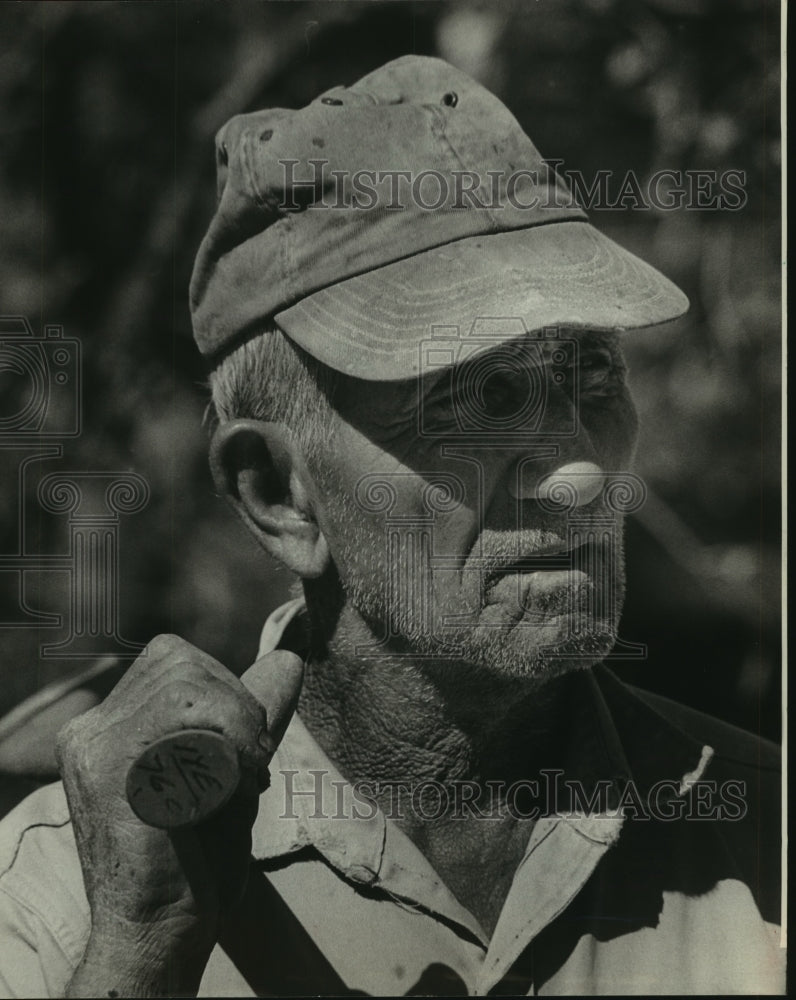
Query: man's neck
{"type": "Point", "coordinates": [389, 714]}
{"type": "Point", "coordinates": [402, 724]}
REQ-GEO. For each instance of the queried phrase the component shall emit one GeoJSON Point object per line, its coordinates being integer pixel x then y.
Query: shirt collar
{"type": "Point", "coordinates": [612, 734]}
{"type": "Point", "coordinates": [309, 802]}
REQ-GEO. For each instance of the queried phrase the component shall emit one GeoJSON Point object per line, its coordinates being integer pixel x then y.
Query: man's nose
{"type": "Point", "coordinates": [580, 481]}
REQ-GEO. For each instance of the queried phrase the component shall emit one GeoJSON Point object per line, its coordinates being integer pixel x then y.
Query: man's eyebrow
{"type": "Point", "coordinates": [589, 343]}
{"type": "Point", "coordinates": [595, 339]}
{"type": "Point", "coordinates": [433, 380]}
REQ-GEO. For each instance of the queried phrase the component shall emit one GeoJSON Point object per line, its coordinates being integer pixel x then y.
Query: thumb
{"type": "Point", "coordinates": [275, 681]}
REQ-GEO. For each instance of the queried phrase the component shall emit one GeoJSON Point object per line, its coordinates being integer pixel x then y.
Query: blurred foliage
{"type": "Point", "coordinates": [106, 186]}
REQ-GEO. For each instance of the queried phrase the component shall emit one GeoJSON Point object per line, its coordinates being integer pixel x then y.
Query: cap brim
{"type": "Point", "coordinates": [374, 326]}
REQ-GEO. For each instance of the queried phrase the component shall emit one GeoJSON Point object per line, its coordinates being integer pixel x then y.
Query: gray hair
{"type": "Point", "coordinates": [270, 378]}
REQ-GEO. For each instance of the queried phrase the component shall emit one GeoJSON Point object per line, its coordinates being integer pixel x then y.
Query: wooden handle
{"type": "Point", "coordinates": [183, 778]}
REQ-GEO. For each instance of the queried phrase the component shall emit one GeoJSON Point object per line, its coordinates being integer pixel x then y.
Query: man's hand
{"type": "Point", "coordinates": [158, 898]}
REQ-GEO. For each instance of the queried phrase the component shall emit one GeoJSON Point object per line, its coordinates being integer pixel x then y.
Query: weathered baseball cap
{"type": "Point", "coordinates": [383, 212]}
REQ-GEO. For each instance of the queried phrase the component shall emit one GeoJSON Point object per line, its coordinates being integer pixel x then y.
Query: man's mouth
{"type": "Point", "coordinates": [559, 560]}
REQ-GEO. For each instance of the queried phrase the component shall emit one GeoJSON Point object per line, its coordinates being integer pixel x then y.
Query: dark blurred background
{"type": "Point", "coordinates": [107, 184]}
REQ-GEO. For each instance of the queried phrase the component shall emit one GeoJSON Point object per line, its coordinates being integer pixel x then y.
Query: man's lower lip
{"type": "Point", "coordinates": [522, 584]}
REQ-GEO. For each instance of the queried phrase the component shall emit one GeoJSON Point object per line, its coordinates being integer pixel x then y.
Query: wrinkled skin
{"type": "Point", "coordinates": [384, 471]}
{"type": "Point", "coordinates": [491, 711]}
{"type": "Point", "coordinates": [414, 712]}
{"type": "Point", "coordinates": [158, 898]}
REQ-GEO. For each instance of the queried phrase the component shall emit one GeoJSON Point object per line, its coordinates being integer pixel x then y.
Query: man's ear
{"type": "Point", "coordinates": [258, 468]}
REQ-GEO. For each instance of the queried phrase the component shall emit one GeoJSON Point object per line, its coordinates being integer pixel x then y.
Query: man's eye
{"type": "Point", "coordinates": [493, 394]}
{"type": "Point", "coordinates": [600, 375]}
{"type": "Point", "coordinates": [498, 394]}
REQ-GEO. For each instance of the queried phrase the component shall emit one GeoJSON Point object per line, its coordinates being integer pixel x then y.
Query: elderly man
{"type": "Point", "coordinates": [413, 335]}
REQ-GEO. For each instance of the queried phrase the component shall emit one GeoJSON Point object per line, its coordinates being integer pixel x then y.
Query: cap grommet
{"type": "Point", "coordinates": [451, 99]}
{"type": "Point", "coordinates": [331, 100]}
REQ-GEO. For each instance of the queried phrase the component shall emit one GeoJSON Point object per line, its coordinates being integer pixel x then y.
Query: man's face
{"type": "Point", "coordinates": [437, 515]}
